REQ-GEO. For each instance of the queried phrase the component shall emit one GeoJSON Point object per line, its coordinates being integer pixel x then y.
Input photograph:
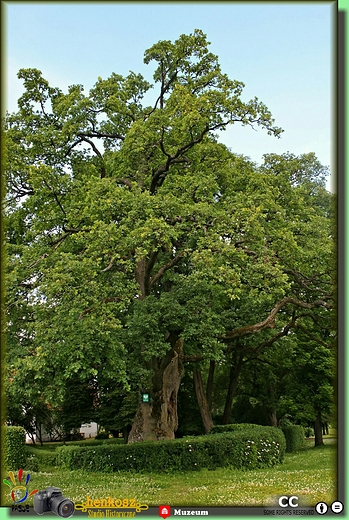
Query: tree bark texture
{"type": "Point", "coordinates": [209, 387]}
{"type": "Point", "coordinates": [202, 400]}
{"type": "Point", "coordinates": [273, 418]}
{"type": "Point", "coordinates": [158, 419]}
{"type": "Point", "coordinates": [318, 430]}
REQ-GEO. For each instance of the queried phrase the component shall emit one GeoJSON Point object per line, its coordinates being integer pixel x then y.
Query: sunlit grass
{"type": "Point", "coordinates": [310, 473]}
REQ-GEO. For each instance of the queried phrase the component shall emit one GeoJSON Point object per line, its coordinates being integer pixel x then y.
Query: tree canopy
{"type": "Point", "coordinates": [138, 244]}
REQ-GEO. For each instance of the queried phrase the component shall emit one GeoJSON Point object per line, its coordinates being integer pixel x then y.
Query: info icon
{"type": "Point", "coordinates": [321, 508]}
{"type": "Point", "coordinates": [164, 511]}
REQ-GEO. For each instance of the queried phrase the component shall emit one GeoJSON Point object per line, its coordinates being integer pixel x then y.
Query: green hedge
{"type": "Point", "coordinates": [248, 449]}
{"type": "Point", "coordinates": [294, 436]}
{"type": "Point", "coordinates": [40, 459]}
{"type": "Point", "coordinates": [221, 428]}
{"type": "Point", "coordinates": [14, 447]}
{"type": "Point", "coordinates": [32, 463]}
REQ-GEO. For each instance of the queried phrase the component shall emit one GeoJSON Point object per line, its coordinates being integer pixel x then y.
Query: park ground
{"type": "Point", "coordinates": [310, 473]}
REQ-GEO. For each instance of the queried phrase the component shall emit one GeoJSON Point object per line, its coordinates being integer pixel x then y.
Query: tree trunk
{"type": "Point", "coordinates": [202, 401]}
{"type": "Point", "coordinates": [39, 432]}
{"type": "Point", "coordinates": [32, 436]}
{"type": "Point", "coordinates": [324, 428]}
{"type": "Point", "coordinates": [158, 419]}
{"type": "Point", "coordinates": [125, 433]}
{"type": "Point", "coordinates": [273, 418]}
{"type": "Point", "coordinates": [209, 387]}
{"type": "Point", "coordinates": [318, 430]}
{"type": "Point", "coordinates": [235, 370]}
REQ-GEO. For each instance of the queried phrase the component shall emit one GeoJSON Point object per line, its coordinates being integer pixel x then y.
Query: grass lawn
{"type": "Point", "coordinates": [309, 473]}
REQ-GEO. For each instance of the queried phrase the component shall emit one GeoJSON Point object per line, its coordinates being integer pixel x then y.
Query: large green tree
{"type": "Point", "coordinates": [137, 242]}
{"type": "Point", "coordinates": [290, 250]}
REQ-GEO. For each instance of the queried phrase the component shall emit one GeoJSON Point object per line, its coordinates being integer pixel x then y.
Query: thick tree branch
{"type": "Point", "coordinates": [161, 172]}
{"type": "Point", "coordinates": [126, 182]}
{"type": "Point", "coordinates": [109, 266]}
{"type": "Point", "coordinates": [101, 134]}
{"type": "Point", "coordinates": [164, 168]}
{"type": "Point", "coordinates": [75, 143]}
{"type": "Point", "coordinates": [192, 359]}
{"type": "Point", "coordinates": [269, 322]}
{"type": "Point", "coordinates": [56, 198]}
{"type": "Point", "coordinates": [277, 336]}
{"type": "Point", "coordinates": [166, 267]}
{"type": "Point", "coordinates": [45, 255]}
{"type": "Point", "coordinates": [304, 281]}
{"type": "Point", "coordinates": [98, 153]}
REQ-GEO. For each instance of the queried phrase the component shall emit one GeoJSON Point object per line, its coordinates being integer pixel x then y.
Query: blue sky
{"type": "Point", "coordinates": [283, 52]}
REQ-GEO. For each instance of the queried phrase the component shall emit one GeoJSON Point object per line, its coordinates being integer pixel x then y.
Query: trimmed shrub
{"type": "Point", "coordinates": [102, 435]}
{"type": "Point", "coordinates": [39, 459]}
{"type": "Point", "coordinates": [221, 428]}
{"type": "Point", "coordinates": [46, 459]}
{"type": "Point", "coordinates": [247, 449]}
{"type": "Point", "coordinates": [14, 447]}
{"type": "Point", "coordinates": [294, 436]}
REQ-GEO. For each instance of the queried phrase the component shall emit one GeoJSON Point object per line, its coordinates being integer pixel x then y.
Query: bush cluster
{"type": "Point", "coordinates": [102, 435]}
{"type": "Point", "coordinates": [247, 449]}
{"type": "Point", "coordinates": [309, 432]}
{"type": "Point", "coordinates": [14, 447]}
{"type": "Point", "coordinates": [294, 436]}
{"type": "Point", "coordinates": [222, 428]}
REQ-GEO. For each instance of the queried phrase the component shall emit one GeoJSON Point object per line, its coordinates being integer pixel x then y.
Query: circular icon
{"type": "Point", "coordinates": [337, 506]}
{"type": "Point", "coordinates": [321, 508]}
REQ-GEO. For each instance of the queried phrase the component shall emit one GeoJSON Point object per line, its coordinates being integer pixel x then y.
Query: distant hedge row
{"type": "Point", "coordinates": [246, 449]}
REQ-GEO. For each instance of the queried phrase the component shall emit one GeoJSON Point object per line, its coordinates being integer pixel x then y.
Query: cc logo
{"type": "Point", "coordinates": [288, 501]}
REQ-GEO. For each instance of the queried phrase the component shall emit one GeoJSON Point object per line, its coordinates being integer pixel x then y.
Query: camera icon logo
{"type": "Point", "coordinates": [52, 499]}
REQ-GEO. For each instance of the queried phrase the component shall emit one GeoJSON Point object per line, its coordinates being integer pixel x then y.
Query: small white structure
{"type": "Point", "coordinates": [89, 430]}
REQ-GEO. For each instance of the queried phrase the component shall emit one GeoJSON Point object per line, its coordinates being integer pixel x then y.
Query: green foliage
{"type": "Point", "coordinates": [308, 432]}
{"type": "Point", "coordinates": [102, 435]}
{"type": "Point", "coordinates": [14, 447]}
{"type": "Point", "coordinates": [40, 459]}
{"type": "Point", "coordinates": [247, 449]}
{"type": "Point", "coordinates": [77, 406]}
{"type": "Point", "coordinates": [32, 463]}
{"type": "Point", "coordinates": [189, 418]}
{"type": "Point", "coordinates": [310, 473]}
{"type": "Point", "coordinates": [116, 408]}
{"type": "Point", "coordinates": [221, 428]}
{"type": "Point", "coordinates": [294, 436]}
{"type": "Point", "coordinates": [166, 232]}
